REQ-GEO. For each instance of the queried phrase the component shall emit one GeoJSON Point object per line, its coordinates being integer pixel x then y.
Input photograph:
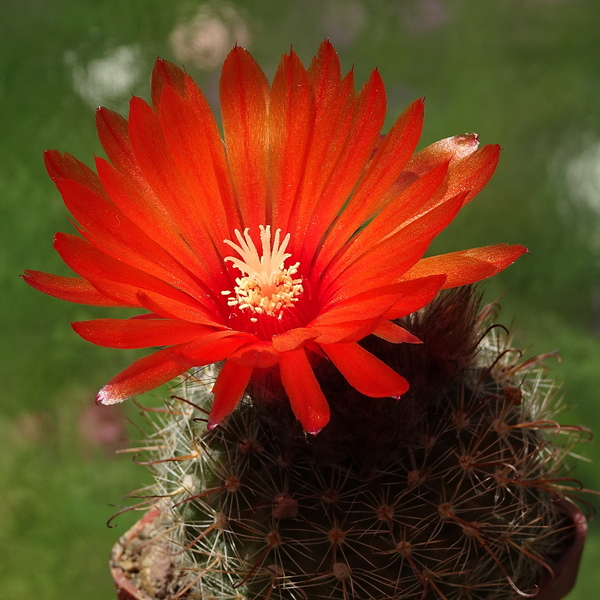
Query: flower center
{"type": "Point", "coordinates": [268, 287]}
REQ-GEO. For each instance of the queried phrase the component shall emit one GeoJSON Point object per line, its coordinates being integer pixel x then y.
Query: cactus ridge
{"type": "Point", "coordinates": [466, 508]}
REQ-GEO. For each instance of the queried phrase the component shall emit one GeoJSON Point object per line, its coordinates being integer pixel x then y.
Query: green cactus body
{"type": "Point", "coordinates": [452, 493]}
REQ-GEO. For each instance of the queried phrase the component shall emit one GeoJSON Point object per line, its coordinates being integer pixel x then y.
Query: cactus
{"type": "Point", "coordinates": [455, 492]}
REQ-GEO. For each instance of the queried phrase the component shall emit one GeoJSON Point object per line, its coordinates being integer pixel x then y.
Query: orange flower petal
{"type": "Point", "coordinates": [139, 333]}
{"type": "Point", "coordinates": [293, 339]}
{"type": "Point", "coordinates": [404, 296]}
{"type": "Point", "coordinates": [384, 169]}
{"type": "Point", "coordinates": [190, 129]}
{"type": "Point", "coordinates": [107, 228]}
{"type": "Point", "coordinates": [361, 134]}
{"type": "Point", "coordinates": [65, 166]}
{"type": "Point", "coordinates": [469, 174]}
{"type": "Point", "coordinates": [228, 391]}
{"type": "Point", "coordinates": [393, 333]}
{"type": "Point", "coordinates": [365, 372]}
{"type": "Point", "coordinates": [141, 206]}
{"type": "Point", "coordinates": [218, 158]}
{"type": "Point", "coordinates": [474, 171]}
{"type": "Point", "coordinates": [449, 149]}
{"type": "Point", "coordinates": [91, 263]}
{"type": "Point", "coordinates": [260, 355]}
{"type": "Point", "coordinates": [324, 71]}
{"type": "Point", "coordinates": [347, 331]}
{"type": "Point", "coordinates": [244, 108]}
{"type": "Point", "coordinates": [291, 116]}
{"type": "Point", "coordinates": [304, 392]}
{"type": "Point", "coordinates": [71, 289]}
{"type": "Point", "coordinates": [158, 168]}
{"type": "Point", "coordinates": [366, 305]}
{"type": "Point", "coordinates": [398, 253]}
{"type": "Point", "coordinates": [468, 266]}
{"type": "Point", "coordinates": [392, 155]}
{"type": "Point", "coordinates": [166, 74]}
{"type": "Point", "coordinates": [113, 132]}
{"type": "Point", "coordinates": [190, 141]}
{"type": "Point", "coordinates": [421, 293]}
{"type": "Point", "coordinates": [334, 101]}
{"type": "Point", "coordinates": [141, 376]}
{"type": "Point", "coordinates": [210, 348]}
{"type": "Point", "coordinates": [404, 209]}
{"type": "Point", "coordinates": [169, 308]}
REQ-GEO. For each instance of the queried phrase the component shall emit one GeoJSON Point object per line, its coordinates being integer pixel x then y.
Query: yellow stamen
{"type": "Point", "coordinates": [267, 286]}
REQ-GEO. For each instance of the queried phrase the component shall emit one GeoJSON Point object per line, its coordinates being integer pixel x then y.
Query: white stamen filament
{"type": "Point", "coordinates": [268, 286]}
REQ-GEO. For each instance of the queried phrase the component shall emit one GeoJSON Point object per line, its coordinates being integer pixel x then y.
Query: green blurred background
{"type": "Point", "coordinates": [522, 73]}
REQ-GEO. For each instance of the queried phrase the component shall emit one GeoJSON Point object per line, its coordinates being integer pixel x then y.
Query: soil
{"type": "Point", "coordinates": [142, 563]}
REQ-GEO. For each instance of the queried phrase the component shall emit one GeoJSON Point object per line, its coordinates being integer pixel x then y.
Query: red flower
{"type": "Point", "coordinates": [291, 242]}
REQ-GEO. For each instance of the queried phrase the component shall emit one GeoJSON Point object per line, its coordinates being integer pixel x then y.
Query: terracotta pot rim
{"type": "Point", "coordinates": [565, 571]}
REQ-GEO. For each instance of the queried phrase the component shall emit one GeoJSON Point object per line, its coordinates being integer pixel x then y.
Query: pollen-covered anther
{"type": "Point", "coordinates": [268, 287]}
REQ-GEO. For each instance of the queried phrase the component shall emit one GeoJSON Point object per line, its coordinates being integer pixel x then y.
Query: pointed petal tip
{"type": "Point", "coordinates": [365, 372]}
{"type": "Point", "coordinates": [376, 75]}
{"type": "Point", "coordinates": [468, 139]}
{"type": "Point", "coordinates": [107, 117]}
{"type": "Point", "coordinates": [315, 423]}
{"type": "Point", "coordinates": [102, 113]}
{"type": "Point", "coordinates": [35, 279]}
{"type": "Point", "coordinates": [513, 253]}
{"type": "Point", "coordinates": [166, 74]}
{"type": "Point", "coordinates": [419, 106]}
{"type": "Point", "coordinates": [326, 47]}
{"type": "Point", "coordinates": [467, 143]}
{"type": "Point", "coordinates": [228, 390]}
{"type": "Point", "coordinates": [315, 431]}
{"type": "Point", "coordinates": [236, 51]}
{"type": "Point", "coordinates": [401, 391]}
{"type": "Point", "coordinates": [395, 334]}
{"type": "Point", "coordinates": [51, 160]}
{"type": "Point", "coordinates": [104, 397]}
{"type": "Point", "coordinates": [212, 424]}
{"type": "Point", "coordinates": [50, 155]}
{"type": "Point", "coordinates": [507, 254]}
